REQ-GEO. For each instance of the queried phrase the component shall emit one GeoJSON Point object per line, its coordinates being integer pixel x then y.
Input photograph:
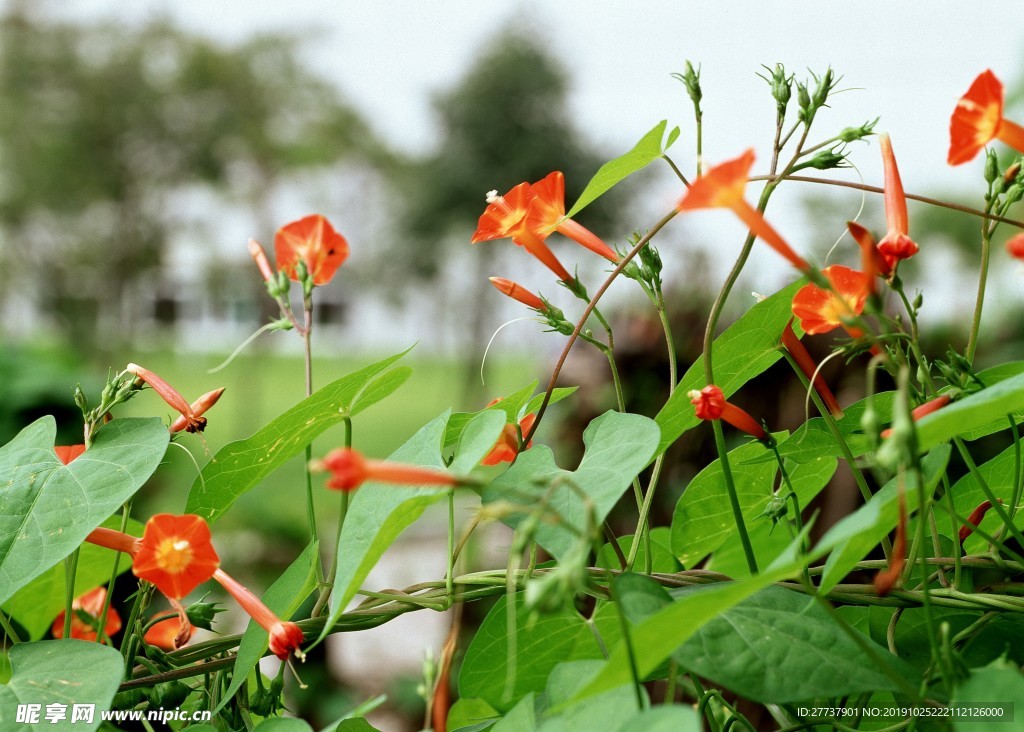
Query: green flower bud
{"type": "Point", "coordinates": [991, 166]}
{"type": "Point", "coordinates": [851, 134]}
{"type": "Point", "coordinates": [201, 614]}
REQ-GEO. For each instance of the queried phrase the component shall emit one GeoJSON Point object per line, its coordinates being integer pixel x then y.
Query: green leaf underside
{"type": "Point", "coordinates": [379, 512]}
{"type": "Point", "coordinates": [998, 473]}
{"type": "Point", "coordinates": [541, 643]}
{"type": "Point", "coordinates": [998, 683]}
{"type": "Point", "coordinates": [49, 508]}
{"type": "Point", "coordinates": [647, 150]}
{"type": "Point", "coordinates": [850, 540]}
{"type": "Point", "coordinates": [65, 672]}
{"type": "Point", "coordinates": [617, 447]}
{"type": "Point", "coordinates": [36, 604]}
{"type": "Point", "coordinates": [779, 646]}
{"type": "Point", "coordinates": [745, 349]}
{"type": "Point", "coordinates": [239, 466]}
{"type": "Point", "coordinates": [973, 413]}
{"type": "Point", "coordinates": [283, 597]}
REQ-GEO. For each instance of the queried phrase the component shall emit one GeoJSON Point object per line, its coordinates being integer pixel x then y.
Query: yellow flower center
{"type": "Point", "coordinates": [838, 307]}
{"type": "Point", "coordinates": [174, 555]}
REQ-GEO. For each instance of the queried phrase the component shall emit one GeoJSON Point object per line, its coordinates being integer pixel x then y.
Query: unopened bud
{"type": "Point", "coordinates": [199, 407]}
{"type": "Point", "coordinates": [850, 134]}
{"type": "Point", "coordinates": [260, 257]}
{"type": "Point", "coordinates": [991, 166]}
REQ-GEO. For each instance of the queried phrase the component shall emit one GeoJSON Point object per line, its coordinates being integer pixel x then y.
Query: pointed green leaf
{"type": "Point", "coordinates": [617, 447]}
{"type": "Point", "coordinates": [674, 718]}
{"type": "Point", "coordinates": [67, 672]}
{"type": "Point", "coordinates": [49, 508]}
{"type": "Point", "coordinates": [557, 394]}
{"type": "Point", "coordinates": [283, 597]}
{"type": "Point", "coordinates": [780, 646]}
{"type": "Point", "coordinates": [658, 636]}
{"type": "Point", "coordinates": [973, 413]}
{"type": "Point", "coordinates": [379, 512]}
{"type": "Point", "coordinates": [1000, 684]}
{"type": "Point", "coordinates": [745, 349]}
{"type": "Point", "coordinates": [381, 387]}
{"type": "Point", "coordinates": [648, 149]}
{"type": "Point", "coordinates": [999, 474]}
{"type": "Point", "coordinates": [850, 540]}
{"type": "Point", "coordinates": [240, 466]}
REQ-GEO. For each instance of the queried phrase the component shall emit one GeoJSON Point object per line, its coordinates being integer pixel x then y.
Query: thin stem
{"type": "Point", "coordinates": [8, 629]}
{"type": "Point", "coordinates": [125, 511]}
{"type": "Point", "coordinates": [332, 572]}
{"type": "Point", "coordinates": [70, 569]}
{"type": "Point", "coordinates": [986, 247]}
{"type": "Point", "coordinates": [676, 170]}
{"type": "Point", "coordinates": [875, 189]}
{"type": "Point", "coordinates": [307, 352]}
{"type": "Point", "coordinates": [449, 574]}
{"type": "Point", "coordinates": [586, 314]}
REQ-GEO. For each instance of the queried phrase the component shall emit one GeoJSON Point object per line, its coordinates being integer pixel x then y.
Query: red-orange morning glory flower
{"type": "Point", "coordinates": [896, 244]}
{"type": "Point", "coordinates": [90, 603]}
{"type": "Point", "coordinates": [505, 216]}
{"type": "Point", "coordinates": [314, 241]}
{"type": "Point", "coordinates": [518, 292]}
{"type": "Point", "coordinates": [723, 187]}
{"type": "Point", "coordinates": [1015, 246]}
{"type": "Point", "coordinates": [175, 554]}
{"type": "Point", "coordinates": [978, 119]}
{"type": "Point", "coordinates": [67, 453]}
{"type": "Point", "coordinates": [506, 448]}
{"type": "Point", "coordinates": [193, 421]}
{"type": "Point", "coordinates": [285, 637]}
{"type": "Point", "coordinates": [974, 520]}
{"type": "Point", "coordinates": [710, 403]}
{"type": "Point", "coordinates": [349, 470]}
{"type": "Point", "coordinates": [872, 261]}
{"type": "Point", "coordinates": [821, 311]}
{"type": "Point", "coordinates": [803, 359]}
{"type": "Point", "coordinates": [546, 213]}
{"type": "Point", "coordinates": [198, 407]}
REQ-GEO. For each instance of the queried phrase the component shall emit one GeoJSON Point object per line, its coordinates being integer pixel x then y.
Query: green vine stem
{"type": "Point", "coordinates": [986, 246]}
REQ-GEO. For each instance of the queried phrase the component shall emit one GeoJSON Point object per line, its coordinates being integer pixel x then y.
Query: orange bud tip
{"type": "Point", "coordinates": [260, 257]}
{"type": "Point", "coordinates": [1015, 246]}
{"type": "Point", "coordinates": [518, 292]}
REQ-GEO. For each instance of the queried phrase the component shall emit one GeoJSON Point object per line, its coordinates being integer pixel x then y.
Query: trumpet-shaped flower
{"type": "Point", "coordinates": [91, 604]}
{"type": "Point", "coordinates": [896, 244]}
{"type": "Point", "coordinates": [349, 470]}
{"type": "Point", "coordinates": [723, 187]}
{"type": "Point", "coordinates": [193, 421]}
{"type": "Point", "coordinates": [820, 310]}
{"type": "Point", "coordinates": [198, 407]}
{"type": "Point", "coordinates": [871, 259]}
{"type": "Point", "coordinates": [505, 216]}
{"type": "Point", "coordinates": [803, 359]}
{"type": "Point", "coordinates": [710, 403]}
{"type": "Point", "coordinates": [175, 554]}
{"type": "Point", "coordinates": [546, 213]}
{"type": "Point", "coordinates": [506, 448]}
{"type": "Point", "coordinates": [311, 240]}
{"type": "Point", "coordinates": [285, 637]}
{"type": "Point", "coordinates": [978, 119]}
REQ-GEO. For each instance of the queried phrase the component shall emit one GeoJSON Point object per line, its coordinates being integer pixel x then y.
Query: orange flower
{"type": "Point", "coordinates": [723, 187]}
{"type": "Point", "coordinates": [821, 311]}
{"type": "Point", "coordinates": [518, 292]}
{"type": "Point", "coordinates": [285, 637]}
{"type": "Point", "coordinates": [505, 216]}
{"type": "Point", "coordinates": [67, 453]}
{"type": "Point", "coordinates": [90, 603]}
{"type": "Point", "coordinates": [198, 407]}
{"type": "Point", "coordinates": [350, 470]}
{"type": "Point", "coordinates": [546, 213]}
{"type": "Point", "coordinates": [314, 241]}
{"type": "Point", "coordinates": [1015, 246]}
{"type": "Point", "coordinates": [710, 403]}
{"type": "Point", "coordinates": [175, 554]}
{"type": "Point", "coordinates": [803, 359]}
{"type": "Point", "coordinates": [169, 635]}
{"type": "Point", "coordinates": [193, 421]}
{"type": "Point", "coordinates": [506, 448]}
{"type": "Point", "coordinates": [978, 119]}
{"type": "Point", "coordinates": [896, 244]}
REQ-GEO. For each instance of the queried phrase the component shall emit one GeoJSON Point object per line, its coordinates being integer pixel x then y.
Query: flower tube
{"type": "Point", "coordinates": [349, 470]}
{"type": "Point", "coordinates": [723, 187]}
{"type": "Point", "coordinates": [923, 410]}
{"type": "Point", "coordinates": [710, 403]}
{"type": "Point", "coordinates": [199, 407]}
{"type": "Point", "coordinates": [193, 422]}
{"type": "Point", "coordinates": [546, 213]}
{"type": "Point", "coordinates": [896, 244]}
{"type": "Point", "coordinates": [519, 293]}
{"type": "Point", "coordinates": [285, 637]}
{"type": "Point", "coordinates": [803, 359]}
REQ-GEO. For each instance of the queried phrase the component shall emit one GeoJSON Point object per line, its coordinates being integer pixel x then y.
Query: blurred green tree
{"type": "Point", "coordinates": [100, 126]}
{"type": "Point", "coordinates": [506, 121]}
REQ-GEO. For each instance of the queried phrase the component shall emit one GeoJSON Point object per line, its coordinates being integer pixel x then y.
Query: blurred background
{"type": "Point", "coordinates": [142, 144]}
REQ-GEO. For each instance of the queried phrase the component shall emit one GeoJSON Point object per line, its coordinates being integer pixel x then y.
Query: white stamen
{"type": "Point", "coordinates": [492, 196]}
{"type": "Point", "coordinates": [181, 545]}
{"type": "Point", "coordinates": [758, 296]}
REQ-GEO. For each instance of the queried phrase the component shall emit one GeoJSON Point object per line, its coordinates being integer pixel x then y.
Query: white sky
{"type": "Point", "coordinates": [907, 62]}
